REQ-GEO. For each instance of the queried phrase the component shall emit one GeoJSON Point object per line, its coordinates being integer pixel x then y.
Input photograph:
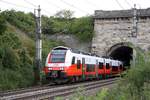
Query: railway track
{"type": "Point", "coordinates": [22, 90]}
{"type": "Point", "coordinates": [50, 92]}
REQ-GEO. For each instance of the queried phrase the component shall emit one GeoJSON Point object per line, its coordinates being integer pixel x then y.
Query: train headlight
{"type": "Point", "coordinates": [49, 68]}
{"type": "Point", "coordinates": [61, 68]}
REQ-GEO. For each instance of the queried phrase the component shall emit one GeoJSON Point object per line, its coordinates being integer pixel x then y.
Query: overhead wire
{"type": "Point", "coordinates": [56, 6]}
{"type": "Point", "coordinates": [47, 11]}
{"type": "Point", "coordinates": [6, 2]}
{"type": "Point", "coordinates": [21, 6]}
{"type": "Point", "coordinates": [135, 4]}
{"type": "Point", "coordinates": [90, 3]}
{"type": "Point", "coordinates": [128, 3]}
{"type": "Point", "coordinates": [30, 3]}
{"type": "Point", "coordinates": [119, 4]}
{"type": "Point", "coordinates": [71, 5]}
{"type": "Point", "coordinates": [132, 3]}
{"type": "Point", "coordinates": [35, 6]}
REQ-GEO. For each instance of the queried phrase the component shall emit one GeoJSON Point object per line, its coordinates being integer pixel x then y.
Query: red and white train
{"type": "Point", "coordinates": [64, 64]}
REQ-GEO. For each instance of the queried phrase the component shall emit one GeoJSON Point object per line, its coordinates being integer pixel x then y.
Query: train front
{"type": "Point", "coordinates": [56, 65]}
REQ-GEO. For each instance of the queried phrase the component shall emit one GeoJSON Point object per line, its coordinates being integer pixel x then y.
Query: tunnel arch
{"type": "Point", "coordinates": [122, 52]}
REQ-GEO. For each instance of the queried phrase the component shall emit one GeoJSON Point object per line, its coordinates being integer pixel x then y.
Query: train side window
{"type": "Point", "coordinates": [73, 60]}
{"type": "Point", "coordinates": [83, 61]}
{"type": "Point", "coordinates": [107, 66]}
{"type": "Point", "coordinates": [87, 68]}
{"type": "Point", "coordinates": [90, 68]}
{"type": "Point", "coordinates": [100, 65]}
{"type": "Point", "coordinates": [120, 66]}
{"type": "Point", "coordinates": [78, 64]}
{"type": "Point", "coordinates": [93, 68]}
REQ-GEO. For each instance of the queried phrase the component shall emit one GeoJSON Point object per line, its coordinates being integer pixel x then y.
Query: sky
{"type": "Point", "coordinates": [79, 7]}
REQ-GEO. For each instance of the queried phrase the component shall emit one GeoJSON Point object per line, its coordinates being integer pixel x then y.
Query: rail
{"type": "Point", "coordinates": [51, 92]}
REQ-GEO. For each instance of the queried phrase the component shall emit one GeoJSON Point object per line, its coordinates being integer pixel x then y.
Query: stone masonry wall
{"type": "Point", "coordinates": [109, 32]}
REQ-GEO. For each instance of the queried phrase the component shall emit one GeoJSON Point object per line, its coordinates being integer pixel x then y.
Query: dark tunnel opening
{"type": "Point", "coordinates": [123, 53]}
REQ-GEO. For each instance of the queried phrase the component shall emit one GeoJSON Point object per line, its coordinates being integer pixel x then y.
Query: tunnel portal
{"type": "Point", "coordinates": [121, 52]}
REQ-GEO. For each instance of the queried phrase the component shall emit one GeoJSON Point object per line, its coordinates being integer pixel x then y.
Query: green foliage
{"type": "Point", "coordinates": [47, 25]}
{"type": "Point", "coordinates": [10, 39]}
{"type": "Point", "coordinates": [15, 68]}
{"type": "Point", "coordinates": [9, 58]}
{"type": "Point", "coordinates": [64, 14]}
{"type": "Point", "coordinates": [61, 25]}
{"type": "Point", "coordinates": [23, 21]}
{"type": "Point", "coordinates": [2, 24]}
{"type": "Point", "coordinates": [83, 29]}
{"type": "Point", "coordinates": [11, 79]}
{"type": "Point", "coordinates": [15, 63]}
{"type": "Point", "coordinates": [62, 22]}
{"type": "Point", "coordinates": [102, 95]}
{"type": "Point", "coordinates": [80, 27]}
{"type": "Point", "coordinates": [78, 95]}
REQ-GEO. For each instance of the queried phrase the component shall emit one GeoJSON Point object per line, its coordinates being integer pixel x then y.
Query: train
{"type": "Point", "coordinates": [64, 64]}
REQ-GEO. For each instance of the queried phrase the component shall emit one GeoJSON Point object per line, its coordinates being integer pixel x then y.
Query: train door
{"type": "Point", "coordinates": [83, 68]}
{"type": "Point", "coordinates": [96, 69]}
{"type": "Point", "coordinates": [104, 69]}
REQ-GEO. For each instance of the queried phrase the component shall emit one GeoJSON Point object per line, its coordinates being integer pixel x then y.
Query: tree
{"type": "Point", "coordinates": [66, 14]}
{"type": "Point", "coordinates": [47, 25]}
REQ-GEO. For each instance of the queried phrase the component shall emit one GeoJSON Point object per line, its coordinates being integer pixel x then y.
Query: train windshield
{"type": "Point", "coordinates": [58, 56]}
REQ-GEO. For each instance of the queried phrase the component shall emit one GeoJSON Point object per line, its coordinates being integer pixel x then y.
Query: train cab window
{"type": "Point", "coordinates": [58, 56]}
{"type": "Point", "coordinates": [100, 65]}
{"type": "Point", "coordinates": [78, 64]}
{"type": "Point", "coordinates": [73, 60]}
{"type": "Point", "coordinates": [107, 66]}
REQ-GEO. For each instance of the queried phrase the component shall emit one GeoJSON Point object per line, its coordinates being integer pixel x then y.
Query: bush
{"type": "Point", "coordinates": [16, 67]}
{"type": "Point", "coordinates": [15, 71]}
{"type": "Point", "coordinates": [9, 58]}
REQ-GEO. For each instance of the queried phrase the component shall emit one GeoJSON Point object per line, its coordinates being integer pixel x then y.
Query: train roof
{"type": "Point", "coordinates": [107, 59]}
{"type": "Point", "coordinates": [61, 47]}
{"type": "Point", "coordinates": [74, 50]}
